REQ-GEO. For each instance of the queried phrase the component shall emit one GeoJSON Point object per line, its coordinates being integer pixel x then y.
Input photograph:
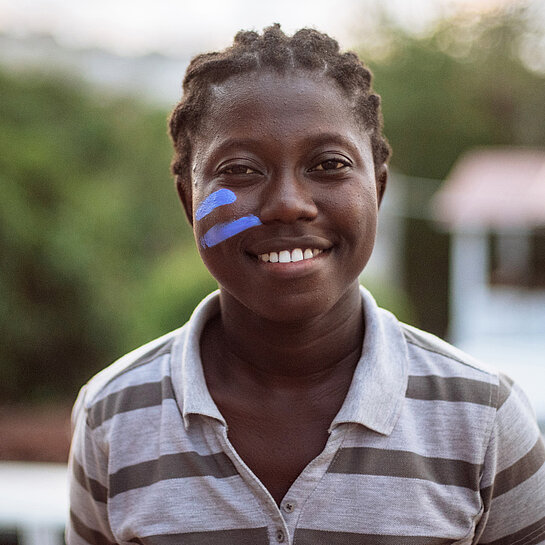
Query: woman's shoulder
{"type": "Point", "coordinates": [132, 377]}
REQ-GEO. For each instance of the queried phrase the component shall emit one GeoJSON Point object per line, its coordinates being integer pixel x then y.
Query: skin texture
{"type": "Point", "coordinates": [279, 358]}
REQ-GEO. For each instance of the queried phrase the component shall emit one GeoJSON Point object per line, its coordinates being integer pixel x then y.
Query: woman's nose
{"type": "Point", "coordinates": [287, 199]}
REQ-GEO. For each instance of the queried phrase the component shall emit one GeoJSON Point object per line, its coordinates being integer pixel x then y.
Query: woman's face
{"type": "Point", "coordinates": [284, 194]}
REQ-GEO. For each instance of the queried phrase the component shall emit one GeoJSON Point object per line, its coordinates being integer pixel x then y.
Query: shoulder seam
{"type": "Point", "coordinates": [145, 359]}
{"type": "Point", "coordinates": [140, 360]}
{"type": "Point", "coordinates": [428, 349]}
{"type": "Point", "coordinates": [452, 357]}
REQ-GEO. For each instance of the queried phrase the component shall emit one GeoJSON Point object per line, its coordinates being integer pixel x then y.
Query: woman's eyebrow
{"type": "Point", "coordinates": [324, 138]}
{"type": "Point", "coordinates": [314, 140]}
{"type": "Point", "coordinates": [230, 143]}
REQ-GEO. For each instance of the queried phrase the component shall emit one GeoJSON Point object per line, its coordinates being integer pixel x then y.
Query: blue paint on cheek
{"type": "Point", "coordinates": [223, 231]}
{"type": "Point", "coordinates": [218, 198]}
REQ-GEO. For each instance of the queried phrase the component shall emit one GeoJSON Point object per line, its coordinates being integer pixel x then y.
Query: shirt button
{"type": "Point", "coordinates": [280, 536]}
{"type": "Point", "coordinates": [289, 507]}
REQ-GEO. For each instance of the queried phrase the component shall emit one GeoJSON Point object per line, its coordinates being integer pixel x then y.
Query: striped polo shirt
{"type": "Point", "coordinates": [429, 448]}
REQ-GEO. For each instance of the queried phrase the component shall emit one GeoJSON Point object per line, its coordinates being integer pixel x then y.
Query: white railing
{"type": "Point", "coordinates": [34, 501]}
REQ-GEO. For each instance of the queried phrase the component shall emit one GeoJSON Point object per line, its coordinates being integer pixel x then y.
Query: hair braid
{"type": "Point", "coordinates": [307, 49]}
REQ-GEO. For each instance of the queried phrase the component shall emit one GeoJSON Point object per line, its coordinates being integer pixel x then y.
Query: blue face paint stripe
{"type": "Point", "coordinates": [223, 231]}
{"type": "Point", "coordinates": [218, 198]}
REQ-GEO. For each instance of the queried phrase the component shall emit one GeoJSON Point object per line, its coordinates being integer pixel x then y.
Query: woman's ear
{"type": "Point", "coordinates": [184, 193]}
{"type": "Point", "coordinates": [381, 177]}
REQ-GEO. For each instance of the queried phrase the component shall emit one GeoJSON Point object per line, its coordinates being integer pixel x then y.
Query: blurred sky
{"type": "Point", "coordinates": [134, 27]}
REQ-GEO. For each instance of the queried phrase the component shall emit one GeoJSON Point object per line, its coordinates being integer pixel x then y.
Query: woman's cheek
{"type": "Point", "coordinates": [216, 219]}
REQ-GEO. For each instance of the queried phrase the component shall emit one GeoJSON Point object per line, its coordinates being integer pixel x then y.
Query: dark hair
{"type": "Point", "coordinates": [307, 49]}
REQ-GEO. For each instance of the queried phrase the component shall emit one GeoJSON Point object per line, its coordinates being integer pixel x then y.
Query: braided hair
{"type": "Point", "coordinates": [307, 49]}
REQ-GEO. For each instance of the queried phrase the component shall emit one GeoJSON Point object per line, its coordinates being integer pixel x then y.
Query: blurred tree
{"type": "Point", "coordinates": [89, 227]}
{"type": "Point", "coordinates": [462, 84]}
{"type": "Point", "coordinates": [471, 79]}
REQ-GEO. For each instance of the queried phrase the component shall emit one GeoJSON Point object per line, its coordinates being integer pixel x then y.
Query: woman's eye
{"type": "Point", "coordinates": [238, 169]}
{"type": "Point", "coordinates": [330, 164]}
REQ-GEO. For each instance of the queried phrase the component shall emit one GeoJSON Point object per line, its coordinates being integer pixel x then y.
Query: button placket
{"type": "Point", "coordinates": [262, 496]}
{"type": "Point", "coordinates": [288, 506]}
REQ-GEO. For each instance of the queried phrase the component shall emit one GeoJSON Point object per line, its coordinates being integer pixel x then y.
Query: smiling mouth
{"type": "Point", "coordinates": [289, 256]}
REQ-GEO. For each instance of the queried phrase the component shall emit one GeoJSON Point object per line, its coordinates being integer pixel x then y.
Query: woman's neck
{"type": "Point", "coordinates": [293, 354]}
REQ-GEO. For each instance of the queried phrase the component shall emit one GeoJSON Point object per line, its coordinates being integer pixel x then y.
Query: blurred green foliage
{"type": "Point", "coordinates": [93, 240]}
{"type": "Point", "coordinates": [460, 85]}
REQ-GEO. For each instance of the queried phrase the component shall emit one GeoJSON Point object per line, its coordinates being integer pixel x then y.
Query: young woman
{"type": "Point", "coordinates": [290, 409]}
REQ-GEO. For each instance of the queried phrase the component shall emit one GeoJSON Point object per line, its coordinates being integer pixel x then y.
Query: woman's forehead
{"type": "Point", "coordinates": [257, 96]}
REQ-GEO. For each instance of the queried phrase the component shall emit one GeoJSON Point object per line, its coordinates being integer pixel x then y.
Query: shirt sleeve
{"type": "Point", "coordinates": [88, 469]}
{"type": "Point", "coordinates": [513, 479]}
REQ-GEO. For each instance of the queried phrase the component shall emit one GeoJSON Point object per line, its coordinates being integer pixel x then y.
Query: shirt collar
{"type": "Point", "coordinates": [376, 393]}
{"type": "Point", "coordinates": [187, 370]}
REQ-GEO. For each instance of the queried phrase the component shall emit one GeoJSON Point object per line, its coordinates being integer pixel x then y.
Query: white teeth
{"type": "Point", "coordinates": [297, 255]}
{"type": "Point", "coordinates": [285, 256]}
